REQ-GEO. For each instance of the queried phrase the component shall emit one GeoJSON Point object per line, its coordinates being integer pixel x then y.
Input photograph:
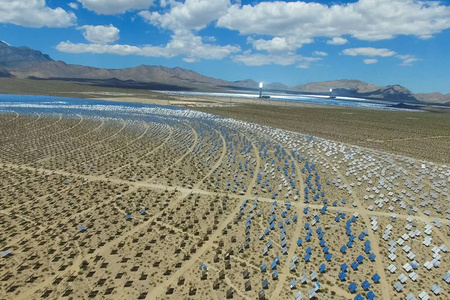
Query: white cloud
{"type": "Point", "coordinates": [279, 44]}
{"type": "Point", "coordinates": [187, 45]}
{"type": "Point", "coordinates": [369, 51]}
{"type": "Point", "coordinates": [70, 47]}
{"type": "Point", "coordinates": [163, 3]}
{"type": "Point", "coordinates": [185, 18]}
{"type": "Point", "coordinates": [258, 59]}
{"type": "Point", "coordinates": [100, 34]}
{"type": "Point", "coordinates": [407, 59]}
{"type": "Point", "coordinates": [209, 38]}
{"type": "Point", "coordinates": [190, 15]}
{"type": "Point", "coordinates": [365, 20]}
{"type": "Point", "coordinates": [34, 13]}
{"type": "Point", "coordinates": [337, 41]}
{"type": "Point", "coordinates": [369, 61]}
{"type": "Point", "coordinates": [320, 53]}
{"type": "Point", "coordinates": [73, 5]}
{"type": "Point", "coordinates": [112, 7]}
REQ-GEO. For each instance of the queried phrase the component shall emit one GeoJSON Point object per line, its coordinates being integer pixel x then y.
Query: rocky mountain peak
{"type": "Point", "coordinates": [10, 54]}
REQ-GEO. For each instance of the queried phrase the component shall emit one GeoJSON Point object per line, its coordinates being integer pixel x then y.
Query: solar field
{"type": "Point", "coordinates": [179, 204]}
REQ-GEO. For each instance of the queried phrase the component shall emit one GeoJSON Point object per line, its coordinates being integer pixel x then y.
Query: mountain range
{"type": "Point", "coordinates": [23, 62]}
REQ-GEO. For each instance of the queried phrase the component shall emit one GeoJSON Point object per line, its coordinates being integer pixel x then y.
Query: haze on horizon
{"type": "Point", "coordinates": [294, 42]}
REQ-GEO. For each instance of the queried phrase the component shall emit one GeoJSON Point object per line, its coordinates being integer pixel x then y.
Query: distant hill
{"type": "Point", "coordinates": [276, 86]}
{"type": "Point", "coordinates": [5, 74]}
{"type": "Point", "coordinates": [23, 62]}
{"type": "Point", "coordinates": [357, 88]}
{"type": "Point", "coordinates": [434, 97]}
{"type": "Point", "coordinates": [323, 87]}
{"type": "Point", "coordinates": [9, 54]}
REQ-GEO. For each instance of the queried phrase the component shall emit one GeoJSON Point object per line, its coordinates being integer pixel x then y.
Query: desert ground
{"type": "Point", "coordinates": [275, 202]}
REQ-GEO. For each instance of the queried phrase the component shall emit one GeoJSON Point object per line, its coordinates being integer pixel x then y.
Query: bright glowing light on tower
{"type": "Point", "coordinates": [261, 85]}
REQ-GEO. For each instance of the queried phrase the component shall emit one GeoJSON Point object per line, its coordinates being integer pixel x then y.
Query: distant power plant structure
{"type": "Point", "coordinates": [331, 94]}
{"type": "Point", "coordinates": [261, 85]}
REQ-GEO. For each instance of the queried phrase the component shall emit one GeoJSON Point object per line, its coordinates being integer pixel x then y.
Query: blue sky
{"type": "Point", "coordinates": [294, 42]}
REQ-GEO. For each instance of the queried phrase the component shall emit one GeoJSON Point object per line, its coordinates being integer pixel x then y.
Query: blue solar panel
{"type": "Point", "coordinates": [292, 283]}
{"type": "Point", "coordinates": [352, 287]}
{"type": "Point", "coordinates": [273, 265]}
{"type": "Point", "coordinates": [322, 268]}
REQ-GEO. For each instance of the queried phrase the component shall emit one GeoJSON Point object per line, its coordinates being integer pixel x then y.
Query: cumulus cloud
{"type": "Point", "coordinates": [183, 19]}
{"type": "Point", "coordinates": [34, 13]}
{"type": "Point", "coordinates": [73, 5]}
{"type": "Point", "coordinates": [320, 53]}
{"type": "Point", "coordinates": [187, 45]}
{"type": "Point", "coordinates": [190, 15]}
{"type": "Point", "coordinates": [258, 59]}
{"type": "Point", "coordinates": [365, 20]}
{"type": "Point", "coordinates": [337, 41]}
{"type": "Point", "coordinates": [278, 44]}
{"type": "Point", "coordinates": [209, 38]}
{"type": "Point", "coordinates": [407, 59]}
{"type": "Point", "coordinates": [369, 51]}
{"type": "Point", "coordinates": [112, 7]}
{"type": "Point", "coordinates": [369, 61]}
{"type": "Point", "coordinates": [162, 3]}
{"type": "Point", "coordinates": [70, 47]}
{"type": "Point", "coordinates": [100, 34]}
